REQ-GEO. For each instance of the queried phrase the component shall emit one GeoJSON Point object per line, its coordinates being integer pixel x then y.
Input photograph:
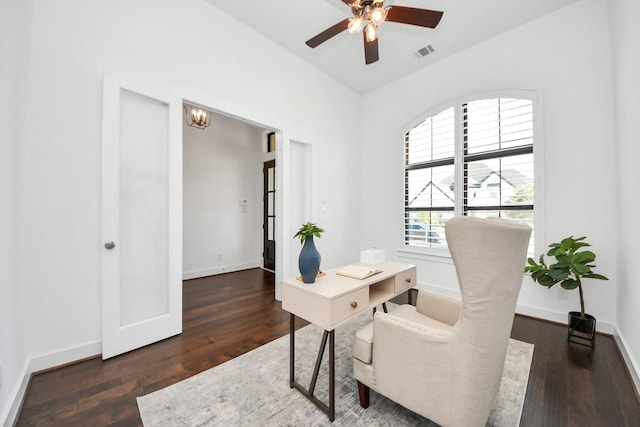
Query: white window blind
{"type": "Point", "coordinates": [496, 162]}
{"type": "Point", "coordinates": [429, 170]}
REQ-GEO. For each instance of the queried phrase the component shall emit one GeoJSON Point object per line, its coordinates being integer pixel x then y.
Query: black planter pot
{"type": "Point", "coordinates": [582, 330]}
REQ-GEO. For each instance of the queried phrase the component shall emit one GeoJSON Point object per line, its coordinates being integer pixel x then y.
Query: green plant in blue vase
{"type": "Point", "coordinates": [307, 230]}
{"type": "Point", "coordinates": [309, 258]}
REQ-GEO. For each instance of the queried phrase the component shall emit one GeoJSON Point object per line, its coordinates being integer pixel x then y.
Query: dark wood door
{"type": "Point", "coordinates": [269, 221]}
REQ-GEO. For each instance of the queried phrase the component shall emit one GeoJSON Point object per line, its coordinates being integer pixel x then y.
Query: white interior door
{"type": "Point", "coordinates": [141, 217]}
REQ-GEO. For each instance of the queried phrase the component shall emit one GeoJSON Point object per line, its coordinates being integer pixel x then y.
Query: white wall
{"type": "Point", "coordinates": [231, 68]}
{"type": "Point", "coordinates": [564, 55]}
{"type": "Point", "coordinates": [222, 165]}
{"type": "Point", "coordinates": [14, 44]}
{"type": "Point", "coordinates": [625, 41]}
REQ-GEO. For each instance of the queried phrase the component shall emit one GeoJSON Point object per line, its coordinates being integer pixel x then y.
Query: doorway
{"type": "Point", "coordinates": [224, 197]}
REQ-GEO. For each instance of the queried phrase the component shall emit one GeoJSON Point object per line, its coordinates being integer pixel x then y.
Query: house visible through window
{"type": "Point", "coordinates": [474, 158]}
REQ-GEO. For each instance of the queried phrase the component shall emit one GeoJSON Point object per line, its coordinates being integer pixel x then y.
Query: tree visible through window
{"type": "Point", "coordinates": [483, 169]}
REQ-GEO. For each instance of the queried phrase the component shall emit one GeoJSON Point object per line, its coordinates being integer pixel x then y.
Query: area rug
{"type": "Point", "coordinates": [253, 389]}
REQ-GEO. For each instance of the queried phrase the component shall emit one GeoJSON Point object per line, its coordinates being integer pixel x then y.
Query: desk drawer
{"type": "Point", "coordinates": [405, 280]}
{"type": "Point", "coordinates": [347, 305]}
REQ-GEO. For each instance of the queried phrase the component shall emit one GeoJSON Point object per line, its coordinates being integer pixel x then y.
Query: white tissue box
{"type": "Point", "coordinates": [372, 256]}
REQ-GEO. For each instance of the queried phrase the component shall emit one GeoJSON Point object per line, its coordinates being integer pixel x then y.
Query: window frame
{"type": "Point", "coordinates": [435, 253]}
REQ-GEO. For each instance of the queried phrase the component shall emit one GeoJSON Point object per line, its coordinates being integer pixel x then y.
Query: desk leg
{"type": "Point", "coordinates": [292, 347]}
{"type": "Point", "coordinates": [330, 409]}
{"type": "Point", "coordinates": [384, 308]}
{"type": "Point", "coordinates": [332, 375]}
{"type": "Point", "coordinates": [316, 368]}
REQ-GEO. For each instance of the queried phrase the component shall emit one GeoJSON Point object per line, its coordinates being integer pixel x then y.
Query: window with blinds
{"type": "Point", "coordinates": [429, 171]}
{"type": "Point", "coordinates": [485, 170]}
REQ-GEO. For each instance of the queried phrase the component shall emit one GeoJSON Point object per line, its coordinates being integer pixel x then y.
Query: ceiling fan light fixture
{"type": "Point", "coordinates": [371, 32]}
{"type": "Point", "coordinates": [378, 15]}
{"type": "Point", "coordinates": [356, 24]}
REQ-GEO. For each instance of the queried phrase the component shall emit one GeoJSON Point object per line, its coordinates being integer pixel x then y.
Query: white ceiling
{"type": "Point", "coordinates": [464, 23]}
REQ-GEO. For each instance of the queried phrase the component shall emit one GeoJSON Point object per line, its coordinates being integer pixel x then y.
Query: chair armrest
{"type": "Point", "coordinates": [439, 307]}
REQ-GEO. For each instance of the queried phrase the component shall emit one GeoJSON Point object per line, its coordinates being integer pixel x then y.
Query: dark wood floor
{"type": "Point", "coordinates": [230, 314]}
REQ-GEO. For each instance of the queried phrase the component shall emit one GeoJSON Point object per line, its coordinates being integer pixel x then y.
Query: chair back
{"type": "Point", "coordinates": [489, 257]}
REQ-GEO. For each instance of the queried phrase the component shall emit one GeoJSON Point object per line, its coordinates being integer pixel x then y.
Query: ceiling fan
{"type": "Point", "coordinates": [369, 14]}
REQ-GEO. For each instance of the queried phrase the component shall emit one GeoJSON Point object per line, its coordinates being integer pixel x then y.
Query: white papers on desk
{"type": "Point", "coordinates": [358, 271]}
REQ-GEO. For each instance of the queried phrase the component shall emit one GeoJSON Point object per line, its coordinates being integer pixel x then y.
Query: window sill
{"type": "Point", "coordinates": [425, 254]}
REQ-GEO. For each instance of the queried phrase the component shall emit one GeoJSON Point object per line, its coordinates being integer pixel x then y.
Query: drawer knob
{"type": "Point", "coordinates": [354, 304]}
{"type": "Point", "coordinates": [408, 280]}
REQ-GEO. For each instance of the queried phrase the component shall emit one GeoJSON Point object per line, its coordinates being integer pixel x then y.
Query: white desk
{"type": "Point", "coordinates": [332, 300]}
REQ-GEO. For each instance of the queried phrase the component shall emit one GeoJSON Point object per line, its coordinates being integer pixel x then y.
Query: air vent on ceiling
{"type": "Point", "coordinates": [422, 52]}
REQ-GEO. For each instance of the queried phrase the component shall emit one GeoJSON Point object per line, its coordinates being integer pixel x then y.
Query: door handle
{"type": "Point", "coordinates": [109, 245]}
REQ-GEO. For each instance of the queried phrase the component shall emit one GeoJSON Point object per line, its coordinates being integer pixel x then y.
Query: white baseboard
{"type": "Point", "coordinates": [195, 274]}
{"type": "Point", "coordinates": [629, 360]}
{"type": "Point", "coordinates": [39, 363]}
{"type": "Point", "coordinates": [62, 357]}
{"type": "Point", "coordinates": [560, 317]}
{"type": "Point", "coordinates": [10, 412]}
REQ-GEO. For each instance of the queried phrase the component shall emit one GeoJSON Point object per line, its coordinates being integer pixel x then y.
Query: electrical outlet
{"type": "Point", "coordinates": [562, 293]}
{"type": "Point", "coordinates": [219, 257]}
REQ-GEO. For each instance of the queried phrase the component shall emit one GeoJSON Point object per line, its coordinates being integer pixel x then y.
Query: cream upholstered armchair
{"type": "Point", "coordinates": [444, 358]}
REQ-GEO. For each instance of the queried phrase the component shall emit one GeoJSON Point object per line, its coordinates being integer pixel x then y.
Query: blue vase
{"type": "Point", "coordinates": [309, 261]}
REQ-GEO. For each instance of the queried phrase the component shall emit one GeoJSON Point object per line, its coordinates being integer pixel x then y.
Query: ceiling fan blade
{"type": "Point", "coordinates": [370, 50]}
{"type": "Point", "coordinates": [328, 33]}
{"type": "Point", "coordinates": [348, 2]}
{"type": "Point", "coordinates": [413, 16]}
